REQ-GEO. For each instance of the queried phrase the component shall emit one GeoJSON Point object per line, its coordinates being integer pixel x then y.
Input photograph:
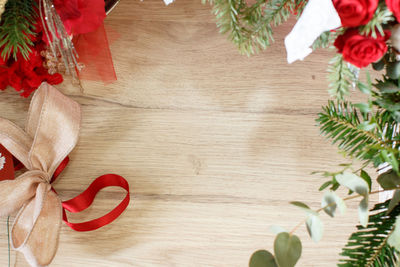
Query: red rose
{"type": "Point", "coordinates": [361, 50]}
{"type": "Point", "coordinates": [354, 13]}
{"type": "Point", "coordinates": [394, 6]}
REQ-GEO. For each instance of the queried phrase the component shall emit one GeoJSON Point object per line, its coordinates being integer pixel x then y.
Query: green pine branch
{"type": "Point", "coordinates": [324, 40]}
{"type": "Point", "coordinates": [368, 246]}
{"type": "Point", "coordinates": [341, 77]}
{"type": "Point", "coordinates": [381, 17]}
{"type": "Point", "coordinates": [16, 27]}
{"type": "Point", "coordinates": [250, 27]}
{"type": "Point", "coordinates": [361, 133]}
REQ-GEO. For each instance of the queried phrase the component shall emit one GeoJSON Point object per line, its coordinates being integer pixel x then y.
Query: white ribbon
{"type": "Point", "coordinates": [318, 16]}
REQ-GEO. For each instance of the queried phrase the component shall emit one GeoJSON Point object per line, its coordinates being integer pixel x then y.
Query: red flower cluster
{"type": "Point", "coordinates": [361, 50]}
{"type": "Point", "coordinates": [26, 75]}
{"type": "Point", "coordinates": [355, 12]}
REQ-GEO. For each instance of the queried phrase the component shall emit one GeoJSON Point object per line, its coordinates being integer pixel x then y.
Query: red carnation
{"type": "Point", "coordinates": [394, 6]}
{"type": "Point", "coordinates": [354, 13]}
{"type": "Point", "coordinates": [26, 75]}
{"type": "Point", "coordinates": [361, 50]}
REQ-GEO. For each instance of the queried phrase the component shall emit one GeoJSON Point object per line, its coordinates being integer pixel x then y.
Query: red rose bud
{"type": "Point", "coordinates": [361, 50]}
{"type": "Point", "coordinates": [354, 13]}
{"type": "Point", "coordinates": [394, 6]}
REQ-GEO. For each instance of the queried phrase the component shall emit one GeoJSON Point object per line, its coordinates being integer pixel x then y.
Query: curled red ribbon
{"type": "Point", "coordinates": [86, 198]}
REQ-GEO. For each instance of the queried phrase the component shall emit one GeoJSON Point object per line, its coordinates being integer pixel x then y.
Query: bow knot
{"type": "Point", "coordinates": [50, 134]}
{"type": "Point", "coordinates": [44, 176]}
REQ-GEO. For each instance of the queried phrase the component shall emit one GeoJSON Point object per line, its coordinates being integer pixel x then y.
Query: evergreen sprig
{"type": "Point", "coordinates": [324, 40]}
{"type": "Point", "coordinates": [368, 246]}
{"type": "Point", "coordinates": [17, 27]}
{"type": "Point", "coordinates": [250, 27]}
{"type": "Point", "coordinates": [361, 133]}
{"type": "Point", "coordinates": [341, 77]}
{"type": "Point", "coordinates": [381, 17]}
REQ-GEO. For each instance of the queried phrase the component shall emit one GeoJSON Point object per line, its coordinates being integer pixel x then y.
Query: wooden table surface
{"type": "Point", "coordinates": [213, 144]}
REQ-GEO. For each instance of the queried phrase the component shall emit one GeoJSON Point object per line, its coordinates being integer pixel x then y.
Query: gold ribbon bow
{"type": "Point", "coordinates": [51, 133]}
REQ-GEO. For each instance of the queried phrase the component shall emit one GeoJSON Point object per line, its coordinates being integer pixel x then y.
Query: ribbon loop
{"type": "Point", "coordinates": [51, 133]}
{"type": "Point", "coordinates": [85, 199]}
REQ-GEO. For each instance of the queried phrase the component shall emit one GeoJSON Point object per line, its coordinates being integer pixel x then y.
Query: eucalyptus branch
{"type": "Point", "coordinates": [332, 204]}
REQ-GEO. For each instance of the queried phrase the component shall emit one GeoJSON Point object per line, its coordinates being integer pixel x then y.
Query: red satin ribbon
{"type": "Point", "coordinates": [86, 198]}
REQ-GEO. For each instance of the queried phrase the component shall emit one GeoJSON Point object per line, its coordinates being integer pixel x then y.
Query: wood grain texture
{"type": "Point", "coordinates": [214, 145]}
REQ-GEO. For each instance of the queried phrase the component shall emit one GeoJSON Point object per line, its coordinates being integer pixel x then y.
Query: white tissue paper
{"type": "Point", "coordinates": [167, 2]}
{"type": "Point", "coordinates": [318, 16]}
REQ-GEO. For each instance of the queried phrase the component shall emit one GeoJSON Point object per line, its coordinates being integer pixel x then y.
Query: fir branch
{"type": "Point", "coordinates": [341, 77]}
{"type": "Point", "coordinates": [323, 41]}
{"type": "Point", "coordinates": [368, 246]}
{"type": "Point", "coordinates": [17, 27]}
{"type": "Point", "coordinates": [366, 135]}
{"type": "Point", "coordinates": [250, 27]}
{"type": "Point", "coordinates": [381, 17]}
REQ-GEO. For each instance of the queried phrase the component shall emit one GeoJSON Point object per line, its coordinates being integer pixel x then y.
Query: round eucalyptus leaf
{"type": "Point", "coordinates": [393, 70]}
{"type": "Point", "coordinates": [331, 202]}
{"type": "Point", "coordinates": [315, 227]}
{"type": "Point", "coordinates": [353, 182]}
{"type": "Point", "coordinates": [389, 180]}
{"type": "Point", "coordinates": [262, 258]}
{"type": "Point", "coordinates": [363, 212]}
{"type": "Point", "coordinates": [287, 249]}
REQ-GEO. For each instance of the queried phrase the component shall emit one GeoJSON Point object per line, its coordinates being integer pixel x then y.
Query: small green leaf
{"type": "Point", "coordinates": [394, 201]}
{"type": "Point", "coordinates": [325, 185]}
{"type": "Point", "coordinates": [300, 204]}
{"type": "Point", "coordinates": [394, 238]}
{"type": "Point", "coordinates": [330, 202]}
{"type": "Point", "coordinates": [364, 88]}
{"type": "Point", "coordinates": [315, 227]}
{"type": "Point", "coordinates": [387, 87]}
{"type": "Point", "coordinates": [379, 65]}
{"type": "Point", "coordinates": [389, 180]}
{"type": "Point", "coordinates": [304, 207]}
{"type": "Point", "coordinates": [353, 182]}
{"type": "Point", "coordinates": [363, 213]}
{"type": "Point", "coordinates": [287, 249]}
{"type": "Point", "coordinates": [262, 258]}
{"type": "Point", "coordinates": [366, 178]}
